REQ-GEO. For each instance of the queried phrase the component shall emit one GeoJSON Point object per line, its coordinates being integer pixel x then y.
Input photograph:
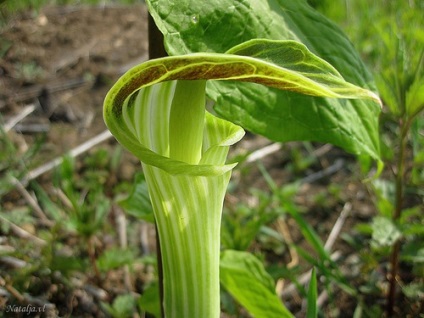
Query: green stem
{"type": "Point", "coordinates": [188, 213]}
{"type": "Point", "coordinates": [188, 210]}
{"type": "Point", "coordinates": [399, 184]}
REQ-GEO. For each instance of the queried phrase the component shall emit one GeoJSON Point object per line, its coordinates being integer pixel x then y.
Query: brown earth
{"type": "Point", "coordinates": [63, 60]}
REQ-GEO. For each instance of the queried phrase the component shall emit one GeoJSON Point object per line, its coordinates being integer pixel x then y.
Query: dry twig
{"type": "Point", "coordinates": [62, 197]}
{"type": "Point", "coordinates": [284, 230]}
{"type": "Point", "coordinates": [16, 119]}
{"type": "Point", "coordinates": [263, 152]}
{"type": "Point", "coordinates": [105, 135]}
{"type": "Point", "coordinates": [338, 164]}
{"type": "Point", "coordinates": [34, 91]}
{"type": "Point", "coordinates": [121, 222]}
{"type": "Point", "coordinates": [12, 262]}
{"type": "Point", "coordinates": [23, 233]}
{"type": "Point", "coordinates": [304, 278]}
{"type": "Point", "coordinates": [335, 231]}
{"type": "Point", "coordinates": [144, 238]}
{"type": "Point", "coordinates": [31, 201]}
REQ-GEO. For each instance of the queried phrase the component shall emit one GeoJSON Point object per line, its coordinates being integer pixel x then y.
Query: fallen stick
{"type": "Point", "coordinates": [144, 237]}
{"type": "Point", "coordinates": [338, 164]}
{"type": "Point", "coordinates": [335, 231]}
{"type": "Point", "coordinates": [274, 147]}
{"type": "Point", "coordinates": [304, 278]}
{"type": "Point", "coordinates": [23, 233]}
{"type": "Point", "coordinates": [31, 128]}
{"type": "Point", "coordinates": [121, 223]}
{"type": "Point", "coordinates": [263, 152]}
{"type": "Point", "coordinates": [33, 174]}
{"type": "Point", "coordinates": [34, 91]}
{"type": "Point", "coordinates": [16, 119]}
{"type": "Point", "coordinates": [31, 201]}
{"type": "Point", "coordinates": [13, 262]}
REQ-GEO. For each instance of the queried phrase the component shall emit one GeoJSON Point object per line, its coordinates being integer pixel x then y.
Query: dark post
{"type": "Point", "coordinates": [156, 50]}
{"type": "Point", "coordinates": [156, 47]}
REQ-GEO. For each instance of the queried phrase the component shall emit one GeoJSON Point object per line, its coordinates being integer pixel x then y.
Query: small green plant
{"type": "Point", "coordinates": [71, 245]}
{"type": "Point", "coordinates": [401, 83]}
{"type": "Point", "coordinates": [14, 160]}
{"type": "Point", "coordinates": [122, 307]}
{"type": "Point", "coordinates": [242, 223]}
{"type": "Point", "coordinates": [157, 111]}
{"type": "Point", "coordinates": [396, 30]}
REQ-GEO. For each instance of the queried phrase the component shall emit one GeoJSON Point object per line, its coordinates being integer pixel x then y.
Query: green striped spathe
{"type": "Point", "coordinates": [187, 198]}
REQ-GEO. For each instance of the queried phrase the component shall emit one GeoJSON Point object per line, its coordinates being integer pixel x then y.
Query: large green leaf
{"type": "Point", "coordinates": [218, 25]}
{"type": "Point", "coordinates": [244, 276]}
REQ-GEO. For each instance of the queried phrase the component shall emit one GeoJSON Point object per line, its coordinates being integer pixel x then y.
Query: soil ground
{"type": "Point", "coordinates": [63, 60]}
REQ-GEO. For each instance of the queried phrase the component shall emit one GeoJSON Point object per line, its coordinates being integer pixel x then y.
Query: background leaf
{"type": "Point", "coordinates": [150, 301]}
{"type": "Point", "coordinates": [244, 276]}
{"type": "Point", "coordinates": [385, 232]}
{"type": "Point", "coordinates": [312, 311]}
{"type": "Point", "coordinates": [115, 258]}
{"type": "Point", "coordinates": [191, 26]}
{"type": "Point", "coordinates": [138, 202]}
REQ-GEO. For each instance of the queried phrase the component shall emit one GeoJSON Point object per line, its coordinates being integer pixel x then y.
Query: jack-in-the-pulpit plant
{"type": "Point", "coordinates": [157, 110]}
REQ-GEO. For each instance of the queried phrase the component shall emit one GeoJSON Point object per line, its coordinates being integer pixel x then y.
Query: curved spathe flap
{"type": "Point", "coordinates": [143, 128]}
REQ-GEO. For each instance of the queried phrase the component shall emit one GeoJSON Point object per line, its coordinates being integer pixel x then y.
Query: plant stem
{"type": "Point", "coordinates": [188, 214]}
{"type": "Point", "coordinates": [400, 179]}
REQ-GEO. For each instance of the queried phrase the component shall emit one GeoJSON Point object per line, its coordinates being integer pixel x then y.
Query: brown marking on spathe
{"type": "Point", "coordinates": [178, 69]}
{"type": "Point", "coordinates": [137, 80]}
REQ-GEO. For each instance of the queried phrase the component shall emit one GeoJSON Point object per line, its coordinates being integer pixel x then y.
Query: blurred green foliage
{"type": "Point", "coordinates": [390, 37]}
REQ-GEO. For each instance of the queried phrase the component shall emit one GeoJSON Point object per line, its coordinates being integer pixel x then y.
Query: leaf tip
{"type": "Point", "coordinates": [377, 99]}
